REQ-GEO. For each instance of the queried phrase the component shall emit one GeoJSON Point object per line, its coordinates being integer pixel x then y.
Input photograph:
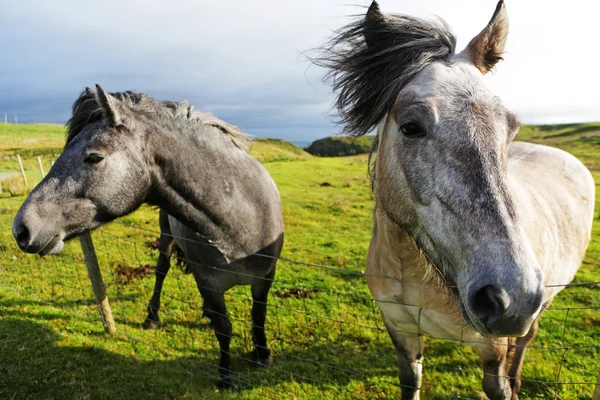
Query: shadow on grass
{"type": "Point", "coordinates": [34, 365]}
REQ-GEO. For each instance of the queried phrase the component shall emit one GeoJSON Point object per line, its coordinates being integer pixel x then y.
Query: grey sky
{"type": "Point", "coordinates": [243, 60]}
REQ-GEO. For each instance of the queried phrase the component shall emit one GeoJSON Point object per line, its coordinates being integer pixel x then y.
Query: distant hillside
{"type": "Point", "coordinates": [269, 150]}
{"type": "Point", "coordinates": [558, 134]}
{"type": "Point", "coordinates": [339, 146]}
{"type": "Point", "coordinates": [572, 137]}
{"type": "Point", "coordinates": [31, 139]}
{"type": "Point", "coordinates": [581, 140]}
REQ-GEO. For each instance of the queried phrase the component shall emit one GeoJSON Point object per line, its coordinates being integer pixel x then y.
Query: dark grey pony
{"type": "Point", "coordinates": [126, 149]}
{"type": "Point", "coordinates": [475, 234]}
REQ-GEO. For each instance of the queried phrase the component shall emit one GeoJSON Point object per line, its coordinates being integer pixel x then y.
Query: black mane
{"type": "Point", "coordinates": [87, 110]}
{"type": "Point", "coordinates": [372, 59]}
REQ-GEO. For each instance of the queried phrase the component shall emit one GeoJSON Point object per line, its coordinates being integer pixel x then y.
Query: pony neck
{"type": "Point", "coordinates": [191, 176]}
{"type": "Point", "coordinates": [398, 256]}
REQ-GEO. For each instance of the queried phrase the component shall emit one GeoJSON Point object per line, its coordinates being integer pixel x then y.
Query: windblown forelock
{"type": "Point", "coordinates": [372, 59]}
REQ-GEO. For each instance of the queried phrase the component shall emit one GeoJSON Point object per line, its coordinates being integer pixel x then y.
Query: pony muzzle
{"type": "Point", "coordinates": [494, 312]}
{"type": "Point", "coordinates": [35, 236]}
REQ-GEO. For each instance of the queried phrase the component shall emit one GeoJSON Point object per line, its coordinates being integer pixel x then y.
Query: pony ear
{"type": "Point", "coordinates": [373, 24]}
{"type": "Point", "coordinates": [113, 110]}
{"type": "Point", "coordinates": [486, 49]}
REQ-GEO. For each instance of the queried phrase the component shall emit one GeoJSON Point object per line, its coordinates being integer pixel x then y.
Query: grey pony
{"type": "Point", "coordinates": [473, 234]}
{"type": "Point", "coordinates": [217, 202]}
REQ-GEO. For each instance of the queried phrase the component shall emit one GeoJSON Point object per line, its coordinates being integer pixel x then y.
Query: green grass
{"type": "Point", "coordinates": [52, 345]}
{"type": "Point", "coordinates": [30, 140]}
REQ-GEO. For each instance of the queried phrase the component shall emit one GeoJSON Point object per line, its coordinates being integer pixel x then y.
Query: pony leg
{"type": "Point", "coordinates": [517, 362]}
{"type": "Point", "coordinates": [165, 248]}
{"type": "Point", "coordinates": [215, 309]}
{"type": "Point", "coordinates": [260, 292]}
{"type": "Point", "coordinates": [495, 381]}
{"type": "Point", "coordinates": [409, 348]}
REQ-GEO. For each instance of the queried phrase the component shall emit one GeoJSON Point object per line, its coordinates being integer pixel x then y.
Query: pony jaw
{"type": "Point", "coordinates": [55, 246]}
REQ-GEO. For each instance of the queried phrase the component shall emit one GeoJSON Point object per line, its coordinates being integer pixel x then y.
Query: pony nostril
{"type": "Point", "coordinates": [488, 304]}
{"type": "Point", "coordinates": [22, 236]}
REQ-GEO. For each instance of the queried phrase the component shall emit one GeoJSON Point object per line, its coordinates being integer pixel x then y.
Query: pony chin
{"type": "Point", "coordinates": [52, 248]}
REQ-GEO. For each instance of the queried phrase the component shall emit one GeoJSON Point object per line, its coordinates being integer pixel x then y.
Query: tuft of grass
{"type": "Point", "coordinates": [16, 186]}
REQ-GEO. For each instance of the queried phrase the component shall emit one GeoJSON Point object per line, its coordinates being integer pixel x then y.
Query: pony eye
{"type": "Point", "coordinates": [412, 129]}
{"type": "Point", "coordinates": [94, 158]}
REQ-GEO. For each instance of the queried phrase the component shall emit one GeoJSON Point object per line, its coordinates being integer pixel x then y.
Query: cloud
{"type": "Point", "coordinates": [244, 61]}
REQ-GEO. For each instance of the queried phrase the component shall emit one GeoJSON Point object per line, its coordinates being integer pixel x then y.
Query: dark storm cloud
{"type": "Point", "coordinates": [244, 60]}
{"type": "Point", "coordinates": [241, 65]}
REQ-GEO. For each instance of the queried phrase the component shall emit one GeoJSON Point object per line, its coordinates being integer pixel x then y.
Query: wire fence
{"type": "Point", "coordinates": [324, 328]}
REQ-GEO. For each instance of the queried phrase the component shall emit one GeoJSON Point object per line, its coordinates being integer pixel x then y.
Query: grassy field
{"type": "Point", "coordinates": [324, 330]}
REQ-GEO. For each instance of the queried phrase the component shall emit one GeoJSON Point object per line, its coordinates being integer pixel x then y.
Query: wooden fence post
{"type": "Point", "coordinates": [22, 170]}
{"type": "Point", "coordinates": [596, 395]}
{"type": "Point", "coordinates": [41, 166]}
{"type": "Point", "coordinates": [91, 262]}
